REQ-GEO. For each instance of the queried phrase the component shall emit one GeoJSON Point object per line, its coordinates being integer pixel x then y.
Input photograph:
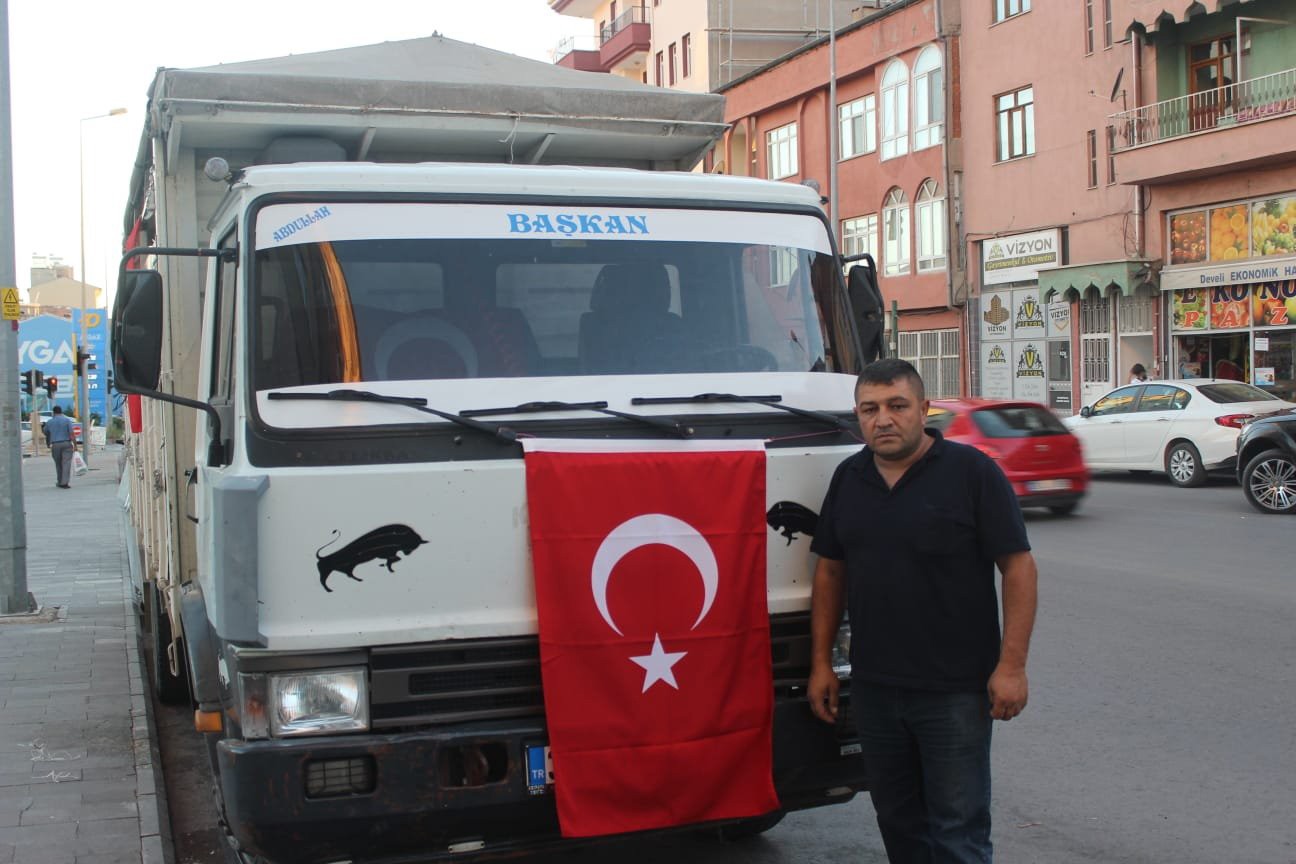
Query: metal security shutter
{"type": "Point", "coordinates": [935, 354]}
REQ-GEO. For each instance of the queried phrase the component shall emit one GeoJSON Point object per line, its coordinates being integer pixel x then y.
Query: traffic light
{"type": "Point", "coordinates": [51, 385]}
{"type": "Point", "coordinates": [38, 379]}
{"type": "Point", "coordinates": [29, 381]}
{"type": "Point", "coordinates": [85, 361]}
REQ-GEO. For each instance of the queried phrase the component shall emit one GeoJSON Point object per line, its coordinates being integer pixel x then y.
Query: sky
{"type": "Point", "coordinates": [75, 59]}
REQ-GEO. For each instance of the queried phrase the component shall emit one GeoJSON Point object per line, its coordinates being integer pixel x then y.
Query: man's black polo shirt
{"type": "Point", "coordinates": [920, 564]}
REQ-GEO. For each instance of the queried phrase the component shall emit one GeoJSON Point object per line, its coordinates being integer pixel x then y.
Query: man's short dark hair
{"type": "Point", "coordinates": [58, 409]}
{"type": "Point", "coordinates": [889, 371]}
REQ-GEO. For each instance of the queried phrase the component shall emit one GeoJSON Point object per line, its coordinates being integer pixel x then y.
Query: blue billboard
{"type": "Point", "coordinates": [47, 343]}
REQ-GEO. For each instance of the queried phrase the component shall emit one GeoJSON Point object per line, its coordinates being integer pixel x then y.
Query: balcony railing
{"type": "Point", "coordinates": [573, 43]}
{"type": "Point", "coordinates": [633, 15]}
{"type": "Point", "coordinates": [1243, 102]}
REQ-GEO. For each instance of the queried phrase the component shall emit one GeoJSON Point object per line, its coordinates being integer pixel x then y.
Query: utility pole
{"type": "Point", "coordinates": [14, 598]}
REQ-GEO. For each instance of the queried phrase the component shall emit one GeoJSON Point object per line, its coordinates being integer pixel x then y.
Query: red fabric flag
{"type": "Point", "coordinates": [654, 630]}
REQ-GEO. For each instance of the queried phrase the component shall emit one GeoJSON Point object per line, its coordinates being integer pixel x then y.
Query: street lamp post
{"type": "Point", "coordinates": [83, 387]}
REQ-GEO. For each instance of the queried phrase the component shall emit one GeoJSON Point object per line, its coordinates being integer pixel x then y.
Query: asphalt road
{"type": "Point", "coordinates": [1162, 720]}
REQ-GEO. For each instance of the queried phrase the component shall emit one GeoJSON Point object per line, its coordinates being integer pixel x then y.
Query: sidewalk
{"type": "Point", "coordinates": [77, 783]}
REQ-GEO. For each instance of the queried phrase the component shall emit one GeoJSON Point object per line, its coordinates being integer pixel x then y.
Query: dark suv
{"type": "Point", "coordinates": [1266, 463]}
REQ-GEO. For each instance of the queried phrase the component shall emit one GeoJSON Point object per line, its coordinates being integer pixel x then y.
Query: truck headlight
{"type": "Point", "coordinates": [318, 703]}
{"type": "Point", "coordinates": [841, 663]}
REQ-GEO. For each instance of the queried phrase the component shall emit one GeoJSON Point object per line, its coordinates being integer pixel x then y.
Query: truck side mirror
{"type": "Point", "coordinates": [137, 331]}
{"type": "Point", "coordinates": [1086, 411]}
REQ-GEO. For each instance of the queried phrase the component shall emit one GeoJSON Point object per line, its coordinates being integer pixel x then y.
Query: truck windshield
{"type": "Point", "coordinates": [334, 300]}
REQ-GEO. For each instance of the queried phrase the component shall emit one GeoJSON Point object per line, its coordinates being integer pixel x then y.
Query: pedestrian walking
{"type": "Point", "coordinates": [58, 434]}
{"type": "Point", "coordinates": [909, 536]}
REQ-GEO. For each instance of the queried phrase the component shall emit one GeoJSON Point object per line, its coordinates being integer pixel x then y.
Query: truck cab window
{"type": "Point", "coordinates": [222, 369]}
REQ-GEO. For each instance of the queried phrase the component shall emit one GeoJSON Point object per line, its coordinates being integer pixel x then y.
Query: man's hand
{"type": "Point", "coordinates": [1007, 690]}
{"type": "Point", "coordinates": [822, 692]}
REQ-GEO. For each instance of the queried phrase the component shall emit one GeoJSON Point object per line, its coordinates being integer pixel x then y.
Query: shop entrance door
{"type": "Point", "coordinates": [1095, 347]}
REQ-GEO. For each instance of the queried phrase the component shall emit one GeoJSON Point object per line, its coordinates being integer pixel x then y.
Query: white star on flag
{"type": "Point", "coordinates": [657, 665]}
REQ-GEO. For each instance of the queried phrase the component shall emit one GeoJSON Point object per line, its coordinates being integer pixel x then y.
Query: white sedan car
{"type": "Point", "coordinates": [1184, 428]}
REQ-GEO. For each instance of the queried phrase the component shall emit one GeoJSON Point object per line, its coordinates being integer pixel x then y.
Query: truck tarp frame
{"type": "Point", "coordinates": [430, 99]}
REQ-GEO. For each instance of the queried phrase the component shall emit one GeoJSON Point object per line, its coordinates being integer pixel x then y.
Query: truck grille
{"type": "Point", "coordinates": [486, 679]}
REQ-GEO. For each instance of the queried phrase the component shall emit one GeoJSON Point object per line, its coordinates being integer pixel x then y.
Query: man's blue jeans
{"type": "Point", "coordinates": [928, 760]}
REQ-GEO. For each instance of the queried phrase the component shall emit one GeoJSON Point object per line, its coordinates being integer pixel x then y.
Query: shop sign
{"type": "Point", "coordinates": [1230, 307]}
{"type": "Point", "coordinates": [1060, 401]}
{"type": "Point", "coordinates": [1264, 376]}
{"type": "Point", "coordinates": [1020, 257]}
{"type": "Point", "coordinates": [1190, 309]}
{"type": "Point", "coordinates": [1059, 320]}
{"type": "Point", "coordinates": [1273, 304]}
{"type": "Point", "coordinates": [996, 315]}
{"type": "Point", "coordinates": [996, 373]}
{"type": "Point", "coordinates": [1028, 314]}
{"type": "Point", "coordinates": [1028, 374]}
{"type": "Point", "coordinates": [1229, 274]}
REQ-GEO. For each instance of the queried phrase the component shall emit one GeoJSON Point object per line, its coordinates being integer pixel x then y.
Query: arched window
{"type": "Point", "coordinates": [895, 110]}
{"type": "Point", "coordinates": [929, 213]}
{"type": "Point", "coordinates": [929, 98]}
{"type": "Point", "coordinates": [895, 228]}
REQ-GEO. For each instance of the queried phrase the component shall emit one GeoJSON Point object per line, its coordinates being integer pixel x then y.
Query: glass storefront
{"type": "Point", "coordinates": [1237, 332]}
{"type": "Point", "coordinates": [1232, 288]}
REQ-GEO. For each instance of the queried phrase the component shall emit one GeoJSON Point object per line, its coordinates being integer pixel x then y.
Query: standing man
{"type": "Point", "coordinates": [909, 536]}
{"type": "Point", "coordinates": [58, 433]}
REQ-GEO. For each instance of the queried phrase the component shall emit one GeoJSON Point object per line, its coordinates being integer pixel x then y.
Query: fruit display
{"type": "Point", "coordinates": [1274, 304]}
{"type": "Point", "coordinates": [1228, 232]}
{"type": "Point", "coordinates": [1272, 222]}
{"type": "Point", "coordinates": [1188, 238]}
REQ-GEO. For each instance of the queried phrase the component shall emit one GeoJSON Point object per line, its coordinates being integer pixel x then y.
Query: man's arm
{"type": "Point", "coordinates": [827, 599]}
{"type": "Point", "coordinates": [1007, 687]}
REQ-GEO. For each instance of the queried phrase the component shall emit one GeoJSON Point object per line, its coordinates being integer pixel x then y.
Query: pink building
{"type": "Point", "coordinates": [1129, 193]}
{"type": "Point", "coordinates": [888, 127]}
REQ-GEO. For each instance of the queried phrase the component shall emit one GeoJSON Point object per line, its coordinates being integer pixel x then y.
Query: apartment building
{"type": "Point", "coordinates": [695, 45]}
{"type": "Point", "coordinates": [888, 119]}
{"type": "Point", "coordinates": [1128, 177]}
{"type": "Point", "coordinates": [1208, 144]}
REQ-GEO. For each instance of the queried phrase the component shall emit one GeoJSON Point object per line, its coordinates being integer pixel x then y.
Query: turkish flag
{"type": "Point", "coordinates": [649, 565]}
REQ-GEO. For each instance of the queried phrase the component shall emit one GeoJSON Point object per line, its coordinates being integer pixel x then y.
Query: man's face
{"type": "Point", "coordinates": [891, 418]}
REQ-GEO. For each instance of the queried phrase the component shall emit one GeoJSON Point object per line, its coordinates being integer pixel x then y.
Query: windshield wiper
{"type": "Point", "coordinates": [418, 403]}
{"type": "Point", "coordinates": [666, 424]}
{"type": "Point", "coordinates": [774, 401]}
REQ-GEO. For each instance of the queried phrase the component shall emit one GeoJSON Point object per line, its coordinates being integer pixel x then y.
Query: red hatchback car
{"type": "Point", "coordinates": [1040, 456]}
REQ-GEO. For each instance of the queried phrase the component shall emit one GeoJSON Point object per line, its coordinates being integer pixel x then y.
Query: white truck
{"type": "Point", "coordinates": [338, 342]}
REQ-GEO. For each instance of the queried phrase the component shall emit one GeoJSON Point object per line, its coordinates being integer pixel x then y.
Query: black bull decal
{"type": "Point", "coordinates": [389, 543]}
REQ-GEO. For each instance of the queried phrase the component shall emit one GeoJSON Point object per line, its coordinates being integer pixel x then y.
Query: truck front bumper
{"type": "Point", "coordinates": [457, 792]}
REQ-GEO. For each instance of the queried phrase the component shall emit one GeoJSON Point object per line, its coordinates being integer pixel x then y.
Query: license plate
{"type": "Point", "coordinates": [1048, 485]}
{"type": "Point", "coordinates": [539, 769]}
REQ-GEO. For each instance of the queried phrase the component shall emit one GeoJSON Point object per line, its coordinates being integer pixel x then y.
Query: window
{"type": "Point", "coordinates": [1091, 153]}
{"type": "Point", "coordinates": [1089, 26]}
{"type": "Point", "coordinates": [860, 235]}
{"type": "Point", "coordinates": [660, 68]}
{"type": "Point", "coordinates": [222, 371]}
{"type": "Point", "coordinates": [686, 54]}
{"type": "Point", "coordinates": [1107, 23]}
{"type": "Point", "coordinates": [1016, 128]}
{"type": "Point", "coordinates": [1211, 69]}
{"type": "Point", "coordinates": [895, 110]}
{"type": "Point", "coordinates": [1162, 397]}
{"type": "Point", "coordinates": [1111, 155]}
{"type": "Point", "coordinates": [857, 127]}
{"type": "Point", "coordinates": [673, 64]}
{"type": "Point", "coordinates": [1118, 402]}
{"type": "Point", "coordinates": [929, 213]}
{"type": "Point", "coordinates": [895, 221]}
{"type": "Point", "coordinates": [781, 147]}
{"type": "Point", "coordinates": [929, 98]}
{"type": "Point", "coordinates": [935, 354]}
{"type": "Point", "coordinates": [1004, 9]}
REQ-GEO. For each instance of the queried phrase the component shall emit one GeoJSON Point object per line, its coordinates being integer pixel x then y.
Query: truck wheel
{"type": "Point", "coordinates": [750, 827]}
{"type": "Point", "coordinates": [1269, 482]}
{"type": "Point", "coordinates": [1184, 466]}
{"type": "Point", "coordinates": [170, 689]}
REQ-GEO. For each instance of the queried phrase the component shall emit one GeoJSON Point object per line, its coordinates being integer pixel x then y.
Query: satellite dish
{"type": "Point", "coordinates": [1120, 73]}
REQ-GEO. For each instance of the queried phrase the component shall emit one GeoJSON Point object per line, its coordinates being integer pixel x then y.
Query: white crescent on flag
{"type": "Point", "coordinates": [647, 530]}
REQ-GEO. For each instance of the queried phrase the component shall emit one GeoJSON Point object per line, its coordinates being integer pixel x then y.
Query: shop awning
{"type": "Point", "coordinates": [1105, 276]}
